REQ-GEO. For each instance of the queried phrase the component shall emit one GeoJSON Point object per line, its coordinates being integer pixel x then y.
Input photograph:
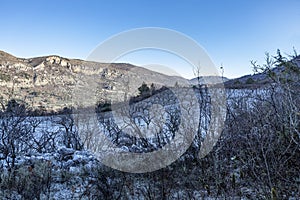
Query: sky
{"type": "Point", "coordinates": [232, 32]}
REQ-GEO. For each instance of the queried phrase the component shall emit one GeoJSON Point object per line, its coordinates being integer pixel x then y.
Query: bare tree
{"type": "Point", "coordinates": [71, 137]}
{"type": "Point", "coordinates": [14, 131]}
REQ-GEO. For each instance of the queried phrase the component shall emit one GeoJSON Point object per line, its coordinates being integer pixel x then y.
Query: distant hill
{"type": "Point", "coordinates": [259, 79]}
{"type": "Point", "coordinates": [208, 80]}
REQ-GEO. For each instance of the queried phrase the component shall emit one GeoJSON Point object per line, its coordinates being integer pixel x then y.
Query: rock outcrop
{"type": "Point", "coordinates": [49, 83]}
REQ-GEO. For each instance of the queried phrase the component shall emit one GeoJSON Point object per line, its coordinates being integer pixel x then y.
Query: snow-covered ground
{"type": "Point", "coordinates": [75, 173]}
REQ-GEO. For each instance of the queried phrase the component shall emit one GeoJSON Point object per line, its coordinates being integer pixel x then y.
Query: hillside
{"type": "Point", "coordinates": [48, 83]}
{"type": "Point", "coordinates": [259, 79]}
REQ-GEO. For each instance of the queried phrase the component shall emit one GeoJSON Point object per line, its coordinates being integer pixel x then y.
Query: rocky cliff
{"type": "Point", "coordinates": [48, 83]}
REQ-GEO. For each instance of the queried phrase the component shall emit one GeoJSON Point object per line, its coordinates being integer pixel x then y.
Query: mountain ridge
{"type": "Point", "coordinates": [259, 79]}
{"type": "Point", "coordinates": [48, 82]}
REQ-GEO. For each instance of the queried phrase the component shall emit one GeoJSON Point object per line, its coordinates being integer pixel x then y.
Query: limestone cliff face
{"type": "Point", "coordinates": [49, 82]}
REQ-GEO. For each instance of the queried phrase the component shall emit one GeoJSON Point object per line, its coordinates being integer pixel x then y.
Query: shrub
{"type": "Point", "coordinates": [144, 90]}
{"type": "Point", "coordinates": [4, 77]}
{"type": "Point", "coordinates": [250, 81]}
{"type": "Point", "coordinates": [30, 182]}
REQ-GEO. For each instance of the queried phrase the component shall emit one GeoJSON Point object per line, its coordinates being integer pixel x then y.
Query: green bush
{"type": "Point", "coordinates": [250, 81]}
{"type": "Point", "coordinates": [237, 82]}
{"type": "Point", "coordinates": [103, 106]}
{"type": "Point", "coordinates": [144, 90]}
{"type": "Point", "coordinates": [4, 77]}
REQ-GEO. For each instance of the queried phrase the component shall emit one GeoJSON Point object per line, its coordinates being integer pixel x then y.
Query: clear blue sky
{"type": "Point", "coordinates": [233, 32]}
